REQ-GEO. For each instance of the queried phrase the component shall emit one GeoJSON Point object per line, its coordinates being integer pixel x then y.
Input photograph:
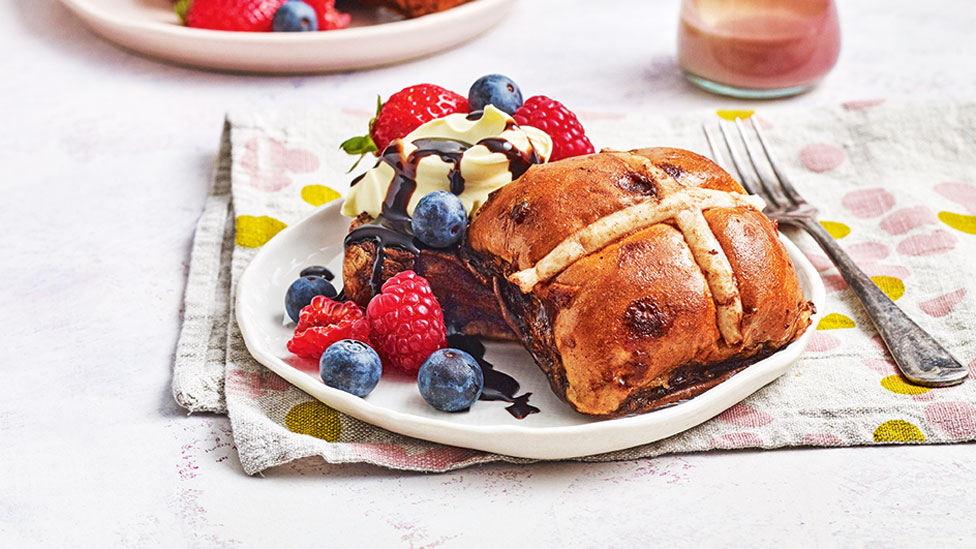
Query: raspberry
{"type": "Point", "coordinates": [232, 15]}
{"type": "Point", "coordinates": [323, 322]}
{"type": "Point", "coordinates": [406, 323]}
{"type": "Point", "coordinates": [552, 117]}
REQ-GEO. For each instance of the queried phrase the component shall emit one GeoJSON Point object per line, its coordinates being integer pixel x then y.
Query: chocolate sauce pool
{"type": "Point", "coordinates": [498, 385]}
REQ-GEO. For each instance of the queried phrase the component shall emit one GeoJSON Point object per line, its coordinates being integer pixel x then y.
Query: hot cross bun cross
{"type": "Point", "coordinates": [636, 279]}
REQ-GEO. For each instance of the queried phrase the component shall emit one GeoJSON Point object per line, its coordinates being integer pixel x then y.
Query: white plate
{"type": "Point", "coordinates": [152, 27]}
{"type": "Point", "coordinates": [556, 432]}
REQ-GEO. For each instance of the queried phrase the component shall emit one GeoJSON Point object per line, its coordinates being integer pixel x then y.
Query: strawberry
{"type": "Point", "coordinates": [552, 117]}
{"type": "Point", "coordinates": [323, 322]}
{"type": "Point", "coordinates": [402, 113]}
{"type": "Point", "coordinates": [329, 17]}
{"type": "Point", "coordinates": [406, 322]}
{"type": "Point", "coordinates": [231, 15]}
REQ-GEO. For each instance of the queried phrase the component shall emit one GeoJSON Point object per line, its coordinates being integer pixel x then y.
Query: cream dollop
{"type": "Point", "coordinates": [481, 169]}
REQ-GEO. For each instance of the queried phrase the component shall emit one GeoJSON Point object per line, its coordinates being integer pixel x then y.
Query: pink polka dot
{"type": "Point", "coordinates": [275, 382]}
{"type": "Point", "coordinates": [881, 269]}
{"type": "Point", "coordinates": [821, 157]}
{"type": "Point", "coordinates": [862, 104]}
{"type": "Point", "coordinates": [956, 420]}
{"type": "Point", "coordinates": [266, 163]}
{"type": "Point", "coordinates": [883, 366]}
{"type": "Point", "coordinates": [746, 416]}
{"type": "Point", "coordinates": [763, 123]}
{"type": "Point", "coordinates": [253, 384]}
{"type": "Point", "coordinates": [869, 202]}
{"type": "Point", "coordinates": [823, 439]}
{"type": "Point", "coordinates": [937, 242]}
{"type": "Point", "coordinates": [942, 305]}
{"type": "Point", "coordinates": [834, 283]}
{"type": "Point", "coordinates": [878, 344]}
{"type": "Point", "coordinates": [924, 397]}
{"type": "Point", "coordinates": [821, 343]}
{"type": "Point", "coordinates": [359, 113]}
{"type": "Point", "coordinates": [903, 220]}
{"type": "Point", "coordinates": [960, 193]}
{"type": "Point", "coordinates": [820, 262]}
{"type": "Point", "coordinates": [867, 251]}
{"type": "Point", "coordinates": [737, 440]}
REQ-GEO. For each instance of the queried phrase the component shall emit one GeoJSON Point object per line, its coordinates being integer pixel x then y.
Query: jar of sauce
{"type": "Point", "coordinates": [758, 48]}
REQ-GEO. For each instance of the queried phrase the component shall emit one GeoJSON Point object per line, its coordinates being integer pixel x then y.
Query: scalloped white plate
{"type": "Point", "coordinates": [375, 38]}
{"type": "Point", "coordinates": [556, 432]}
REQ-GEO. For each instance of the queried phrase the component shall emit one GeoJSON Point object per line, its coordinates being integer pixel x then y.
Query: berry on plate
{"type": "Point", "coordinates": [406, 322]}
{"type": "Point", "coordinates": [450, 380]}
{"type": "Point", "coordinates": [495, 89]}
{"type": "Point", "coordinates": [552, 117]}
{"type": "Point", "coordinates": [323, 322]}
{"type": "Point", "coordinates": [295, 16]}
{"type": "Point", "coordinates": [329, 18]}
{"type": "Point", "coordinates": [301, 292]}
{"type": "Point", "coordinates": [232, 15]}
{"type": "Point", "coordinates": [402, 113]}
{"type": "Point", "coordinates": [439, 219]}
{"type": "Point", "coordinates": [351, 366]}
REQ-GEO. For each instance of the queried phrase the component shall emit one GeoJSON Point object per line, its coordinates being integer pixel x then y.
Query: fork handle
{"type": "Point", "coordinates": [919, 357]}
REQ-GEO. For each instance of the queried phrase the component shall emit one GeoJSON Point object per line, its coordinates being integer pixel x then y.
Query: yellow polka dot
{"type": "Point", "coordinates": [890, 285]}
{"type": "Point", "coordinates": [898, 430]}
{"type": "Point", "coordinates": [834, 321]}
{"type": "Point", "coordinates": [254, 232]}
{"type": "Point", "coordinates": [836, 230]}
{"type": "Point", "coordinates": [896, 384]}
{"type": "Point", "coordinates": [732, 115]}
{"type": "Point", "coordinates": [315, 419]}
{"type": "Point", "coordinates": [959, 222]}
{"type": "Point", "coordinates": [317, 195]}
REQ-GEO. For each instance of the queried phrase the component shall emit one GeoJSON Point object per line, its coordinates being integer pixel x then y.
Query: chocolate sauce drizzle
{"type": "Point", "coordinates": [392, 227]}
{"type": "Point", "coordinates": [498, 385]}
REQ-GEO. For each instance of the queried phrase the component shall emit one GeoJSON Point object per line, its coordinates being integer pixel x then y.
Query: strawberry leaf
{"type": "Point", "coordinates": [181, 8]}
{"type": "Point", "coordinates": [361, 145]}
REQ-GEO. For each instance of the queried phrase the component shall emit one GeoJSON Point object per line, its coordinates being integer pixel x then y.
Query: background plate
{"type": "Point", "coordinates": [376, 38]}
{"type": "Point", "coordinates": [554, 433]}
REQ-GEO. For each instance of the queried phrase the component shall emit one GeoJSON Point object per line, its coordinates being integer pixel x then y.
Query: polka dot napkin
{"type": "Point", "coordinates": [895, 185]}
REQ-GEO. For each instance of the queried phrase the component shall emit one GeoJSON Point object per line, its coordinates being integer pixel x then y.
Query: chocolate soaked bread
{"type": "Point", "coordinates": [375, 254]}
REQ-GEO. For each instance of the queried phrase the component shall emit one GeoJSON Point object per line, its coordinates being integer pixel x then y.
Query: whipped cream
{"type": "Point", "coordinates": [468, 156]}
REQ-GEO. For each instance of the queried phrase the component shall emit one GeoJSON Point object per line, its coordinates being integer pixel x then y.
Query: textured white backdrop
{"type": "Point", "coordinates": [106, 157]}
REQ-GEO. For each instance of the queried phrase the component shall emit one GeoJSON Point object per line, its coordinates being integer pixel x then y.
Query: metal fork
{"type": "Point", "coordinates": [919, 357]}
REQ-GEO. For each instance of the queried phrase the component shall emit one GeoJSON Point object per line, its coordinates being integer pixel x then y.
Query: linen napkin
{"type": "Point", "coordinates": [895, 185]}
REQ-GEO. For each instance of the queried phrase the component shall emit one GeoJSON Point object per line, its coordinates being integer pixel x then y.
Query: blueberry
{"type": "Point", "coordinates": [495, 89]}
{"type": "Point", "coordinates": [301, 292]}
{"type": "Point", "coordinates": [295, 16]}
{"type": "Point", "coordinates": [351, 366]}
{"type": "Point", "coordinates": [317, 270]}
{"type": "Point", "coordinates": [450, 380]}
{"type": "Point", "coordinates": [439, 219]}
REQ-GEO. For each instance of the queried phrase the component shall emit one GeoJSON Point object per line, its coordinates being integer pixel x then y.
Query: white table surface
{"type": "Point", "coordinates": [106, 157]}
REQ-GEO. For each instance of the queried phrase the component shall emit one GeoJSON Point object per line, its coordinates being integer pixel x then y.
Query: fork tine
{"type": "Point", "coordinates": [771, 187]}
{"type": "Point", "coordinates": [717, 155]}
{"type": "Point", "coordinates": [788, 188]}
{"type": "Point", "coordinates": [746, 178]}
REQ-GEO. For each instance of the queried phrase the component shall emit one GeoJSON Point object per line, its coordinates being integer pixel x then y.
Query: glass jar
{"type": "Point", "coordinates": [758, 48]}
